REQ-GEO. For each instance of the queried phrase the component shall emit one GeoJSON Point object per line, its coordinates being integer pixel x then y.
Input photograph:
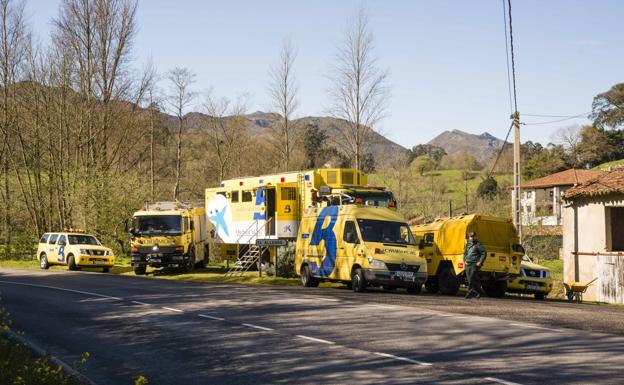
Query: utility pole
{"type": "Point", "coordinates": [516, 206]}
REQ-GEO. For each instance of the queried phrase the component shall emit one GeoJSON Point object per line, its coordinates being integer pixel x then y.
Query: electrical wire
{"type": "Point", "coordinates": [556, 121]}
{"type": "Point", "coordinates": [500, 151]}
{"type": "Point", "coordinates": [507, 58]}
{"type": "Point", "coordinates": [556, 116]}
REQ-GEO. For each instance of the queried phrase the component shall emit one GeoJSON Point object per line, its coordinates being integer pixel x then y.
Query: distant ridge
{"type": "Point", "coordinates": [484, 146]}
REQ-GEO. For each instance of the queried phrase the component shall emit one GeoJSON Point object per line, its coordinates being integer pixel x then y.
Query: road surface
{"type": "Point", "coordinates": [175, 332]}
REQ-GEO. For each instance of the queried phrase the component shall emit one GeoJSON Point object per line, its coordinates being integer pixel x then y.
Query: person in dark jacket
{"type": "Point", "coordinates": [474, 257]}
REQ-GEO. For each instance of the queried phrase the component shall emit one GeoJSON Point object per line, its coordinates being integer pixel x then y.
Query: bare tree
{"type": "Point", "coordinates": [359, 92]}
{"type": "Point", "coordinates": [226, 128]}
{"type": "Point", "coordinates": [13, 45]}
{"type": "Point", "coordinates": [570, 137]}
{"type": "Point", "coordinates": [180, 97]}
{"type": "Point", "coordinates": [283, 93]}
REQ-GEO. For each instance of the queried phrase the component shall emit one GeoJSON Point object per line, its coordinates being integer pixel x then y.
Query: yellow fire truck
{"type": "Point", "coordinates": [270, 207]}
{"type": "Point", "coordinates": [442, 244]}
{"type": "Point", "coordinates": [167, 234]}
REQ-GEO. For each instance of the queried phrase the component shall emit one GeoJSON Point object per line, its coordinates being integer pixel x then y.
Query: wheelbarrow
{"type": "Point", "coordinates": [576, 289]}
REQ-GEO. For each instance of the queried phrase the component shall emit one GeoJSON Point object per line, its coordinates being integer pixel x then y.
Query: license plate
{"type": "Point", "coordinates": [533, 287]}
{"type": "Point", "coordinates": [155, 260]}
{"type": "Point", "coordinates": [405, 275]}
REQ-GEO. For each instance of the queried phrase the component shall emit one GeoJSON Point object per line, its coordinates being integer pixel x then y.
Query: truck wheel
{"type": "Point", "coordinates": [140, 269]}
{"type": "Point", "coordinates": [358, 282]}
{"type": "Point", "coordinates": [71, 263]}
{"type": "Point", "coordinates": [432, 285]}
{"type": "Point", "coordinates": [188, 266]}
{"type": "Point", "coordinates": [307, 280]}
{"type": "Point", "coordinates": [539, 296]}
{"type": "Point", "coordinates": [447, 281]}
{"type": "Point", "coordinates": [43, 262]}
{"type": "Point", "coordinates": [416, 289]}
{"type": "Point", "coordinates": [496, 289]}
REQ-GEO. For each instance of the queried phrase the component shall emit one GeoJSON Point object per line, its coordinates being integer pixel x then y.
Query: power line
{"type": "Point", "coordinates": [513, 62]}
{"type": "Point", "coordinates": [501, 150]}
{"type": "Point", "coordinates": [557, 120]}
{"type": "Point", "coordinates": [557, 116]}
{"type": "Point", "coordinates": [507, 59]}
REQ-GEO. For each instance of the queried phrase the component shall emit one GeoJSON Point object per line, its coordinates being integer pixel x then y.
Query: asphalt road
{"type": "Point", "coordinates": [176, 332]}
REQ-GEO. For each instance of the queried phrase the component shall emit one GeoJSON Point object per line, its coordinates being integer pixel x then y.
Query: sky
{"type": "Point", "coordinates": [446, 59]}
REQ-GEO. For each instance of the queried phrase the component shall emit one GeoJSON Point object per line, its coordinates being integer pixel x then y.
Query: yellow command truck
{"type": "Point", "coordinates": [442, 244]}
{"type": "Point", "coordinates": [167, 234]}
{"type": "Point", "coordinates": [359, 245]}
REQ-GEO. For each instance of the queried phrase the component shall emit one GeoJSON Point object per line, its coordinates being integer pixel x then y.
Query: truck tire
{"type": "Point", "coordinates": [432, 285]}
{"type": "Point", "coordinates": [43, 262]}
{"type": "Point", "coordinates": [496, 289]}
{"type": "Point", "coordinates": [140, 269]}
{"type": "Point", "coordinates": [358, 282]}
{"type": "Point", "coordinates": [447, 281]}
{"type": "Point", "coordinates": [416, 289]}
{"type": "Point", "coordinates": [71, 263]}
{"type": "Point", "coordinates": [307, 280]}
{"type": "Point", "coordinates": [188, 266]}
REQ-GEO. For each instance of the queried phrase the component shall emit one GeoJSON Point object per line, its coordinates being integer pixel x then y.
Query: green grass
{"type": "Point", "coordinates": [556, 272]}
{"type": "Point", "coordinates": [609, 164]}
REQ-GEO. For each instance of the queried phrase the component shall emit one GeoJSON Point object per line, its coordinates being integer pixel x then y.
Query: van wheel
{"type": "Point", "coordinates": [358, 282]}
{"type": "Point", "coordinates": [496, 289]}
{"type": "Point", "coordinates": [43, 262]}
{"type": "Point", "coordinates": [416, 289]}
{"type": "Point", "coordinates": [432, 285]}
{"type": "Point", "coordinates": [307, 280]}
{"type": "Point", "coordinates": [140, 269]}
{"type": "Point", "coordinates": [447, 281]}
{"type": "Point", "coordinates": [71, 263]}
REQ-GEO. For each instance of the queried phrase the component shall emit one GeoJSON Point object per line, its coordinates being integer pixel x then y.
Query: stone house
{"type": "Point", "coordinates": [593, 236]}
{"type": "Point", "coordinates": [541, 198]}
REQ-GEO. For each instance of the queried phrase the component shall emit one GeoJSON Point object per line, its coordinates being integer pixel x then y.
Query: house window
{"type": "Point", "coordinates": [617, 228]}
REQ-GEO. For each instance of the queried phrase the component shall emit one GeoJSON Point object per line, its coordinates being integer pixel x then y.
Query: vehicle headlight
{"type": "Point", "coordinates": [377, 264]}
{"type": "Point", "coordinates": [84, 251]}
{"type": "Point", "coordinates": [546, 274]}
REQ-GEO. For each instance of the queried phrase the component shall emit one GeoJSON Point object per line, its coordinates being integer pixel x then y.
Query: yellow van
{"type": "Point", "coordinates": [75, 250]}
{"type": "Point", "coordinates": [360, 245]}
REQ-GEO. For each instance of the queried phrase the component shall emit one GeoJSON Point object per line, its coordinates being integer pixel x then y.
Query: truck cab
{"type": "Point", "coordinates": [168, 234]}
{"type": "Point", "coordinates": [359, 245]}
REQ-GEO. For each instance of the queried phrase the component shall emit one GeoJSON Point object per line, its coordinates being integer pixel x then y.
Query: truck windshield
{"type": "Point", "coordinates": [386, 232]}
{"type": "Point", "coordinates": [82, 240]}
{"type": "Point", "coordinates": [158, 224]}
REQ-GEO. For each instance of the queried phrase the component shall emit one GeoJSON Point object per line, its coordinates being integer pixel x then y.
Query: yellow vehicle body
{"type": "Point", "coordinates": [359, 245]}
{"type": "Point", "coordinates": [271, 206]}
{"type": "Point", "coordinates": [534, 279]}
{"type": "Point", "coordinates": [442, 243]}
{"type": "Point", "coordinates": [74, 250]}
{"type": "Point", "coordinates": [167, 234]}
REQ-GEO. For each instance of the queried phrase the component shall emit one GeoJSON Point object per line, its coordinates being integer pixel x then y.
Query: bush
{"type": "Point", "coordinates": [285, 261]}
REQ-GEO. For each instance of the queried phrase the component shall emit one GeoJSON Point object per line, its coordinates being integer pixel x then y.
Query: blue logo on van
{"type": "Point", "coordinates": [325, 234]}
{"type": "Point", "coordinates": [260, 201]}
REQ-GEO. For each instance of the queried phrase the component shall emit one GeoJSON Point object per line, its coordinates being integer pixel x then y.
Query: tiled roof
{"type": "Point", "coordinates": [569, 177]}
{"type": "Point", "coordinates": [607, 183]}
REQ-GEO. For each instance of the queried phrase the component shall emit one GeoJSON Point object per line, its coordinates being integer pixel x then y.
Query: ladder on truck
{"type": "Point", "coordinates": [250, 254]}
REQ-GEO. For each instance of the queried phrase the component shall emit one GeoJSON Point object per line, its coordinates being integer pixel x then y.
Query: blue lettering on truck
{"type": "Point", "coordinates": [325, 234]}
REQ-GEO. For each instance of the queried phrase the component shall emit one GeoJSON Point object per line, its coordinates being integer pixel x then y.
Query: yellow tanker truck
{"type": "Point", "coordinates": [167, 234]}
{"type": "Point", "coordinates": [442, 243]}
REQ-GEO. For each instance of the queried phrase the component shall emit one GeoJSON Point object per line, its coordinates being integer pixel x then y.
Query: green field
{"type": "Point", "coordinates": [609, 164]}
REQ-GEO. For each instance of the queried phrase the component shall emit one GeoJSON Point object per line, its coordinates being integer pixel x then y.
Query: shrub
{"type": "Point", "coordinates": [285, 261]}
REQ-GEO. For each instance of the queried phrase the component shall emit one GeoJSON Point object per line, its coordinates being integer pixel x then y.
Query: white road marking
{"type": "Point", "coordinates": [62, 289]}
{"type": "Point", "coordinates": [537, 327]}
{"type": "Point", "coordinates": [403, 359]}
{"type": "Point", "coordinates": [141, 303]}
{"type": "Point", "coordinates": [498, 380]}
{"type": "Point", "coordinates": [315, 339]}
{"type": "Point", "coordinates": [173, 309]}
{"type": "Point", "coordinates": [210, 317]}
{"type": "Point", "coordinates": [258, 327]}
{"type": "Point", "coordinates": [328, 299]}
